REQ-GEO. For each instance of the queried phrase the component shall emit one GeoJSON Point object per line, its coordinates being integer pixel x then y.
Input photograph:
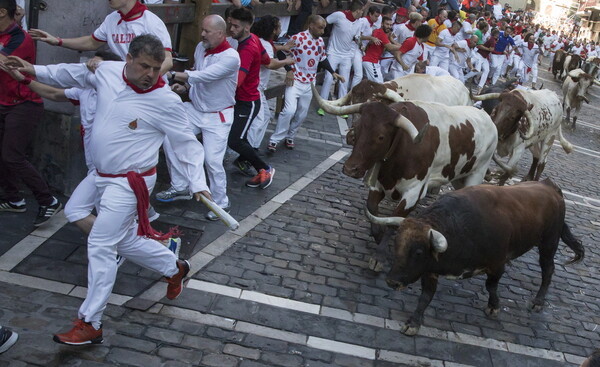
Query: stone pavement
{"type": "Point", "coordinates": [291, 287]}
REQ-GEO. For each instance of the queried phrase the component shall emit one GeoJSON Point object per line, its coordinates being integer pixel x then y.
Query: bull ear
{"type": "Point", "coordinates": [574, 78]}
{"type": "Point", "coordinates": [530, 107]}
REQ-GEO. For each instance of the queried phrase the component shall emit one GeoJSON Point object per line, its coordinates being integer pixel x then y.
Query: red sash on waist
{"type": "Point", "coordinates": [140, 190]}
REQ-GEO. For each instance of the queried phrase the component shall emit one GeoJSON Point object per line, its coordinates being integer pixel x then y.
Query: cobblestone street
{"type": "Point", "coordinates": [291, 287]}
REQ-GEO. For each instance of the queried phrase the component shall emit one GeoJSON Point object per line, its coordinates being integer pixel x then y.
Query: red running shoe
{"type": "Point", "coordinates": [81, 334]}
{"type": "Point", "coordinates": [263, 179]}
{"type": "Point", "coordinates": [176, 281]}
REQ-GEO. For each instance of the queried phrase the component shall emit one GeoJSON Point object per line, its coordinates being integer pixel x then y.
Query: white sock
{"type": "Point", "coordinates": [21, 202]}
{"type": "Point", "coordinates": [96, 324]}
{"type": "Point", "coordinates": [54, 201]}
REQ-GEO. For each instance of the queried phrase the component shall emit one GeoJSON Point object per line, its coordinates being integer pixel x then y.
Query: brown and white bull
{"type": "Point", "coordinates": [574, 89]}
{"type": "Point", "coordinates": [478, 230]}
{"type": "Point", "coordinates": [455, 145]}
{"type": "Point", "coordinates": [442, 89]}
{"type": "Point", "coordinates": [527, 119]}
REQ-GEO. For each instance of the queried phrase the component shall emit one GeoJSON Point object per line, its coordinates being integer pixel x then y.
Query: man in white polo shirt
{"type": "Point", "coordinates": [212, 86]}
{"type": "Point", "coordinates": [341, 48]}
{"type": "Point", "coordinates": [130, 19]}
{"type": "Point", "coordinates": [411, 51]}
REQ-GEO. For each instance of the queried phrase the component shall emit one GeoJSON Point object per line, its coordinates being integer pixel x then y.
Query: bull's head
{"type": "Point", "coordinates": [584, 82]}
{"type": "Point", "coordinates": [512, 110]}
{"type": "Point", "coordinates": [376, 132]}
{"type": "Point", "coordinates": [416, 248]}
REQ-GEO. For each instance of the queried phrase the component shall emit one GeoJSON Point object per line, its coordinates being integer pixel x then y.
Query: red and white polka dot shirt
{"type": "Point", "coordinates": [308, 52]}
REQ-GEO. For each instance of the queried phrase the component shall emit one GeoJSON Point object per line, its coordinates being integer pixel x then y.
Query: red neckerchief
{"type": "Point", "coordinates": [369, 20]}
{"type": "Point", "coordinates": [159, 84]}
{"type": "Point", "coordinates": [349, 15]}
{"type": "Point", "coordinates": [138, 8]}
{"type": "Point", "coordinates": [409, 26]}
{"type": "Point", "coordinates": [530, 45]}
{"type": "Point", "coordinates": [220, 48]}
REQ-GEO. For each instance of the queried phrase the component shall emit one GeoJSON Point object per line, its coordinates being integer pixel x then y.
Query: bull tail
{"type": "Point", "coordinates": [574, 243]}
{"type": "Point", "coordinates": [568, 147]}
{"type": "Point", "coordinates": [502, 165]}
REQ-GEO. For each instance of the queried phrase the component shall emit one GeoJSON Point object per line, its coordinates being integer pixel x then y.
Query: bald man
{"type": "Point", "coordinates": [211, 86]}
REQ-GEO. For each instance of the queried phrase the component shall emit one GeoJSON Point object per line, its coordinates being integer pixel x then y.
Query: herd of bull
{"type": "Point", "coordinates": [418, 132]}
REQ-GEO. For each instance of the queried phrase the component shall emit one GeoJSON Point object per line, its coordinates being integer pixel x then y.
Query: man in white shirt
{"type": "Point", "coordinates": [406, 30]}
{"type": "Point", "coordinates": [298, 81]}
{"type": "Point", "coordinates": [497, 10]}
{"type": "Point", "coordinates": [366, 26]}
{"type": "Point", "coordinates": [467, 30]}
{"type": "Point", "coordinates": [210, 112]}
{"type": "Point", "coordinates": [445, 46]}
{"type": "Point", "coordinates": [119, 28]}
{"type": "Point", "coordinates": [411, 51]}
{"type": "Point", "coordinates": [341, 45]}
{"type": "Point", "coordinates": [529, 60]}
{"type": "Point", "coordinates": [464, 49]}
{"type": "Point", "coordinates": [132, 121]}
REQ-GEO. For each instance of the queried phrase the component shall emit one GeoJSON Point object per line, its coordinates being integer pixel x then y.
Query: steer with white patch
{"type": "Point", "coordinates": [408, 147]}
{"type": "Point", "coordinates": [478, 230]}
{"type": "Point", "coordinates": [527, 119]}
{"type": "Point", "coordinates": [423, 87]}
{"type": "Point", "coordinates": [574, 89]}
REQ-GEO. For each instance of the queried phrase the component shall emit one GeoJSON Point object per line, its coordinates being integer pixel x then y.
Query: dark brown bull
{"type": "Point", "coordinates": [478, 230]}
{"type": "Point", "coordinates": [558, 62]}
{"type": "Point", "coordinates": [572, 62]}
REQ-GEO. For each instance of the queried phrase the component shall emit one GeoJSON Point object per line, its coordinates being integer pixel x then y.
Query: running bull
{"type": "Point", "coordinates": [478, 230]}
{"type": "Point", "coordinates": [406, 148]}
{"type": "Point", "coordinates": [574, 89]}
{"type": "Point", "coordinates": [527, 119]}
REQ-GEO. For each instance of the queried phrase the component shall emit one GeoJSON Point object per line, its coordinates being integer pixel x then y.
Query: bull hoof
{"type": "Point", "coordinates": [537, 306]}
{"type": "Point", "coordinates": [410, 330]}
{"type": "Point", "coordinates": [375, 264]}
{"type": "Point", "coordinates": [491, 312]}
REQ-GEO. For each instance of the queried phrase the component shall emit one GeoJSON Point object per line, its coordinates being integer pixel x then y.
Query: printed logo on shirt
{"type": "Point", "coordinates": [133, 124]}
{"type": "Point", "coordinates": [123, 38]}
{"type": "Point", "coordinates": [311, 63]}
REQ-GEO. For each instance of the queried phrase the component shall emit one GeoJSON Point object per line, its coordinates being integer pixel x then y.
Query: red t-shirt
{"type": "Point", "coordinates": [374, 52]}
{"type": "Point", "coordinates": [491, 43]}
{"type": "Point", "coordinates": [15, 41]}
{"type": "Point", "coordinates": [252, 55]}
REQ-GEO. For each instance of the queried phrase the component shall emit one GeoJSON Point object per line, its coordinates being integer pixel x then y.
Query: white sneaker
{"type": "Point", "coordinates": [171, 195]}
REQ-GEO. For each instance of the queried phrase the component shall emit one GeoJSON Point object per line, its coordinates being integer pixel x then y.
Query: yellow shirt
{"type": "Point", "coordinates": [437, 28]}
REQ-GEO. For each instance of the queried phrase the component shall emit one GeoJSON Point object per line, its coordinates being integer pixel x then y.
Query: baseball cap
{"type": "Point", "coordinates": [403, 12]}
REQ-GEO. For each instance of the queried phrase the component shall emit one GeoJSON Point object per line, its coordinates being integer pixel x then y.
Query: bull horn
{"type": "Point", "coordinates": [596, 82]}
{"type": "Point", "coordinates": [384, 221]}
{"type": "Point", "coordinates": [529, 132]}
{"type": "Point", "coordinates": [485, 97]}
{"type": "Point", "coordinates": [404, 123]}
{"type": "Point", "coordinates": [438, 241]}
{"type": "Point", "coordinates": [392, 96]}
{"type": "Point", "coordinates": [342, 101]}
{"type": "Point", "coordinates": [334, 110]}
{"type": "Point", "coordinates": [372, 174]}
{"type": "Point", "coordinates": [586, 100]}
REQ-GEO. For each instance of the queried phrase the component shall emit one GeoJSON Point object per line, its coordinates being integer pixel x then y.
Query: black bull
{"type": "Point", "coordinates": [476, 230]}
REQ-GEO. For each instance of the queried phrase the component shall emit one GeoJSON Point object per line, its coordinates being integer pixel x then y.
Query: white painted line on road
{"type": "Point", "coordinates": [339, 347]}
{"type": "Point", "coordinates": [340, 314]}
{"type": "Point", "coordinates": [582, 150]}
{"type": "Point", "coordinates": [36, 283]}
{"type": "Point", "coordinates": [29, 244]}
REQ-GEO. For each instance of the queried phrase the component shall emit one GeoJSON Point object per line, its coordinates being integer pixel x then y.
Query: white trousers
{"type": "Point", "coordinates": [357, 68]}
{"type": "Point", "coordinates": [456, 71]}
{"type": "Point", "coordinates": [373, 72]}
{"type": "Point", "coordinates": [297, 102]}
{"type": "Point", "coordinates": [84, 198]}
{"type": "Point", "coordinates": [442, 61]}
{"type": "Point", "coordinates": [257, 130]}
{"type": "Point", "coordinates": [215, 132]}
{"type": "Point", "coordinates": [483, 65]}
{"type": "Point", "coordinates": [497, 65]}
{"type": "Point", "coordinates": [427, 51]}
{"type": "Point", "coordinates": [524, 74]}
{"type": "Point", "coordinates": [342, 65]}
{"type": "Point", "coordinates": [386, 68]}
{"type": "Point", "coordinates": [115, 232]}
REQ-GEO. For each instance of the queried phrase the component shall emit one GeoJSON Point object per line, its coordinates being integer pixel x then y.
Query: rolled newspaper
{"type": "Point", "coordinates": [222, 214]}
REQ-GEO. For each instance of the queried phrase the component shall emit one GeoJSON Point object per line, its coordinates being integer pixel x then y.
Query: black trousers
{"type": "Point", "coordinates": [243, 115]}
